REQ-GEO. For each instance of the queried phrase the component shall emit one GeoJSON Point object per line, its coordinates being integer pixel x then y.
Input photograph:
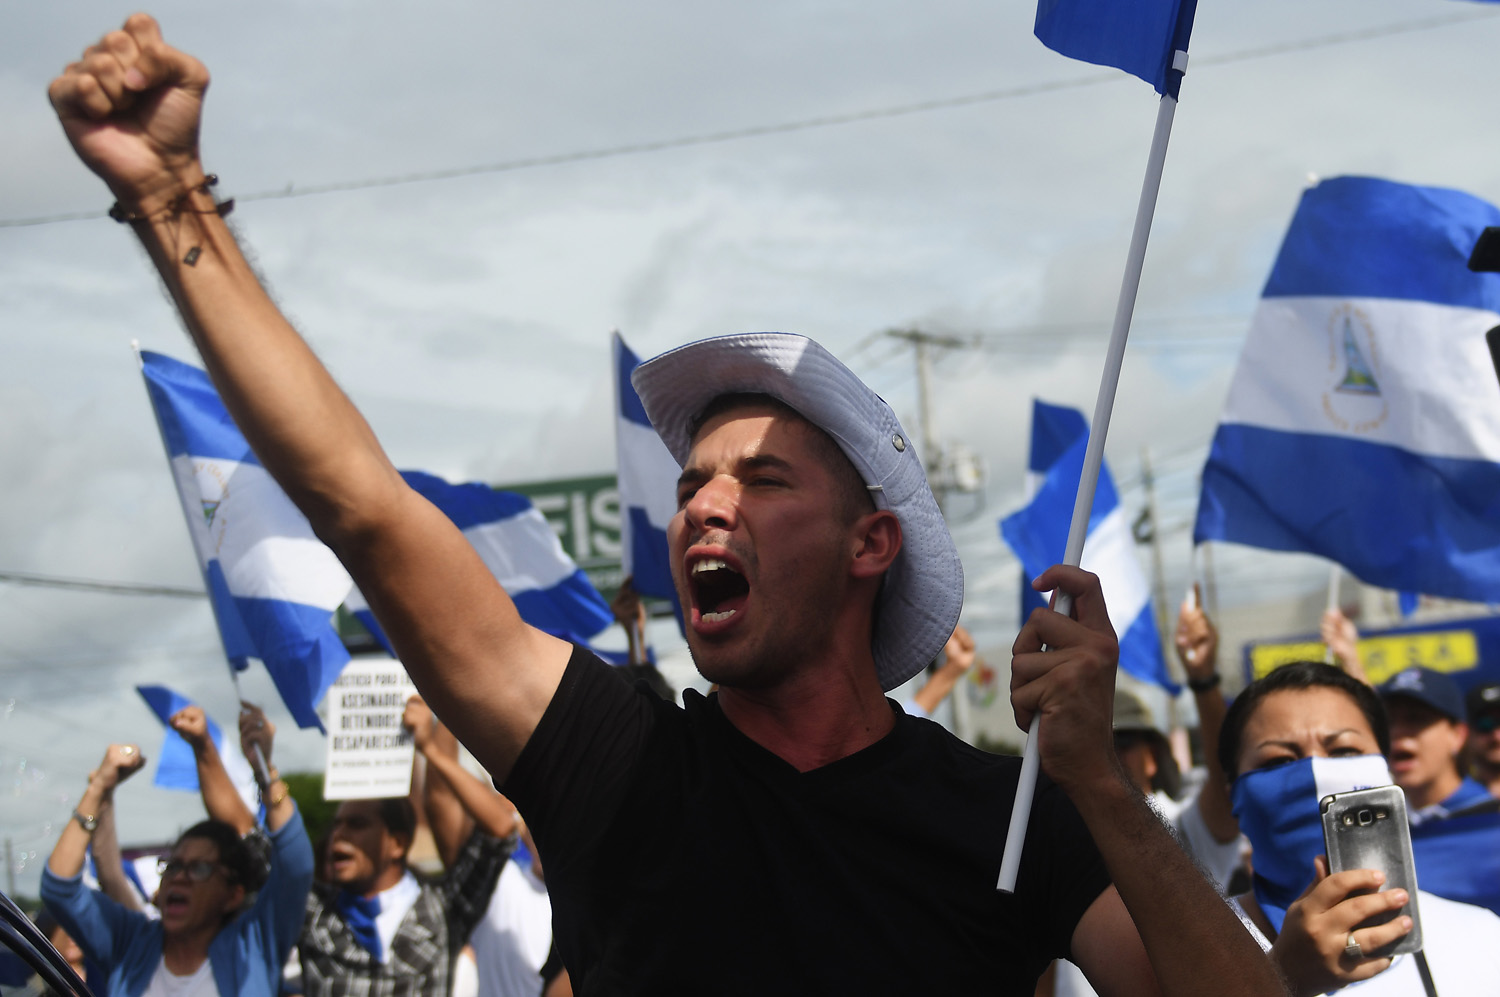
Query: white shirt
{"type": "Point", "coordinates": [1462, 943]}
{"type": "Point", "coordinates": [198, 983]}
{"type": "Point", "coordinates": [512, 941]}
{"type": "Point", "coordinates": [395, 903]}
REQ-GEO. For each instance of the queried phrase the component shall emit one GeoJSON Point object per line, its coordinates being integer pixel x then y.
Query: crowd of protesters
{"type": "Point", "coordinates": [795, 831]}
{"type": "Point", "coordinates": [237, 909]}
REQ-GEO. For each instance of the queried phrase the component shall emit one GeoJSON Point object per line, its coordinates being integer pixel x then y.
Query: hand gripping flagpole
{"type": "Point", "coordinates": [1093, 459]}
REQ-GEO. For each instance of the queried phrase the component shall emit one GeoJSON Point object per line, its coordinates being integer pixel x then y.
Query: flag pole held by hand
{"type": "Point", "coordinates": [1010, 863]}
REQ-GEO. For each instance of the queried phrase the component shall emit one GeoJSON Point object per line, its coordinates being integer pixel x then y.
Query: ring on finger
{"type": "Point", "coordinates": [1352, 949]}
{"type": "Point", "coordinates": [127, 751]}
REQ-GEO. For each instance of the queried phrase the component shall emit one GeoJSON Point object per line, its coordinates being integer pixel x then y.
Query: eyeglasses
{"type": "Point", "coordinates": [198, 871]}
{"type": "Point", "coordinates": [1487, 723]}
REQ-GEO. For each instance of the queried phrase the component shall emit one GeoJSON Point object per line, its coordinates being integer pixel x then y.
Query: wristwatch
{"type": "Point", "coordinates": [86, 821]}
{"type": "Point", "coordinates": [1206, 683]}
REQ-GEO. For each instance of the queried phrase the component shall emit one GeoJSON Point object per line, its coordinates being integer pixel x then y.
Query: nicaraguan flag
{"type": "Point", "coordinates": [648, 486]}
{"type": "Point", "coordinates": [519, 546]}
{"type": "Point", "coordinates": [273, 585]}
{"type": "Point", "coordinates": [1038, 534]}
{"type": "Point", "coordinates": [1139, 36]}
{"type": "Point", "coordinates": [647, 475]}
{"type": "Point", "coordinates": [1363, 421]}
{"type": "Point", "coordinates": [176, 767]}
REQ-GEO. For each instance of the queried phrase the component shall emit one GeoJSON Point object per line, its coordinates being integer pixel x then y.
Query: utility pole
{"type": "Point", "coordinates": [932, 454]}
{"type": "Point", "coordinates": [939, 475]}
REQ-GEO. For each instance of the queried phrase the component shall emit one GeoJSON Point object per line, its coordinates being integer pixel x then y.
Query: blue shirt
{"type": "Point", "coordinates": [1459, 857]}
{"type": "Point", "coordinates": [247, 954]}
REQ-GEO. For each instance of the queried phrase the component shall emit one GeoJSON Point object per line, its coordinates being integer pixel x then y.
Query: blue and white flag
{"type": "Point", "coordinates": [1363, 421]}
{"type": "Point", "coordinates": [648, 486]}
{"type": "Point", "coordinates": [176, 767]}
{"type": "Point", "coordinates": [1458, 857]}
{"type": "Point", "coordinates": [273, 584]}
{"type": "Point", "coordinates": [521, 549]}
{"type": "Point", "coordinates": [1038, 534]}
{"type": "Point", "coordinates": [1139, 37]}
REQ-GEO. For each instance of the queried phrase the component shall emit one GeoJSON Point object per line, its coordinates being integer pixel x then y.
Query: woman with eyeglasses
{"type": "Point", "coordinates": [231, 899]}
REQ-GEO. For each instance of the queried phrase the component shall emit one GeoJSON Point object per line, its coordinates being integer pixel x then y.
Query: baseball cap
{"type": "Point", "coordinates": [1482, 699]}
{"type": "Point", "coordinates": [1428, 687]}
{"type": "Point", "coordinates": [923, 591]}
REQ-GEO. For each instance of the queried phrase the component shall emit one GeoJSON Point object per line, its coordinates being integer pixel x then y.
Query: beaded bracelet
{"type": "Point", "coordinates": [177, 205]}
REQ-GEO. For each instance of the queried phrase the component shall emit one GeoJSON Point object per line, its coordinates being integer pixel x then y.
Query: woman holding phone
{"type": "Point", "coordinates": [1303, 732]}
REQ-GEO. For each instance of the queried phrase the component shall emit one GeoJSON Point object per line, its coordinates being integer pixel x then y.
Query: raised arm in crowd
{"type": "Point", "coordinates": [740, 843]}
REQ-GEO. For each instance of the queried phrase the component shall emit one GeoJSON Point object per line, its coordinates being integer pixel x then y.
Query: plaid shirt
{"type": "Point", "coordinates": [334, 964]}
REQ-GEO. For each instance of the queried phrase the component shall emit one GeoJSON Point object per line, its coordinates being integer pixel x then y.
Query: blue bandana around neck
{"type": "Point", "coordinates": [1278, 811]}
{"type": "Point", "coordinates": [359, 914]}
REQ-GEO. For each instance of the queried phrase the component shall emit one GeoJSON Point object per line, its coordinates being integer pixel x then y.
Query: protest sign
{"type": "Point", "coordinates": [369, 752]}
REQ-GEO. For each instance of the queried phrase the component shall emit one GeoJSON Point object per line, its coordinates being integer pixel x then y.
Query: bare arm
{"type": "Point", "coordinates": [258, 735]}
{"type": "Point", "coordinates": [959, 658]}
{"type": "Point", "coordinates": [1342, 638]}
{"type": "Point", "coordinates": [109, 864]}
{"type": "Point", "coordinates": [220, 798]}
{"type": "Point", "coordinates": [1161, 928]}
{"type": "Point", "coordinates": [450, 826]}
{"type": "Point", "coordinates": [1198, 647]}
{"type": "Point", "coordinates": [449, 783]}
{"type": "Point", "coordinates": [131, 109]}
{"type": "Point", "coordinates": [120, 762]}
{"type": "Point", "coordinates": [630, 612]}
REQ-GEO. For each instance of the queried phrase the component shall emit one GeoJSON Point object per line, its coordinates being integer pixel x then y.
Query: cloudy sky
{"type": "Point", "coordinates": [957, 177]}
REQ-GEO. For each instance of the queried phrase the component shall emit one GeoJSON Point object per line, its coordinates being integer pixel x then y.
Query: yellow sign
{"type": "Point", "coordinates": [1440, 650]}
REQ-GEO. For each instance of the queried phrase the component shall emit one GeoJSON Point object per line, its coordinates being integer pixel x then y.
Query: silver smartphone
{"type": "Point", "coordinates": [1366, 829]}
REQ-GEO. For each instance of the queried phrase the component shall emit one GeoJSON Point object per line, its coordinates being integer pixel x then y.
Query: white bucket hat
{"type": "Point", "coordinates": [924, 589]}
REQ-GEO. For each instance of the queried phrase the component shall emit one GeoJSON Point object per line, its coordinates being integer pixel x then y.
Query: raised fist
{"type": "Point", "coordinates": [192, 723]}
{"type": "Point", "coordinates": [121, 761]}
{"type": "Point", "coordinates": [131, 108]}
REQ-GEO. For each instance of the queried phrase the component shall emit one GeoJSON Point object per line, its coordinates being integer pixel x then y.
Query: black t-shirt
{"type": "Point", "coordinates": [682, 857]}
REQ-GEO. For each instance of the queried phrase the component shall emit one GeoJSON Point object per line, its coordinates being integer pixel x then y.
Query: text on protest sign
{"type": "Point", "coordinates": [369, 752]}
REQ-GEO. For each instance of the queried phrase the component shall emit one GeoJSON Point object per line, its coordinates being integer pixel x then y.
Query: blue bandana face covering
{"type": "Point", "coordinates": [1278, 811]}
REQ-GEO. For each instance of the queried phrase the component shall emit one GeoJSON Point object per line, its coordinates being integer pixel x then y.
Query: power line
{"type": "Point", "coordinates": [800, 125]}
{"type": "Point", "coordinates": [94, 585]}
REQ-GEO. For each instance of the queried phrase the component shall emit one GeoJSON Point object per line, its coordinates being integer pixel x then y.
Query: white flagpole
{"type": "Point", "coordinates": [1020, 814]}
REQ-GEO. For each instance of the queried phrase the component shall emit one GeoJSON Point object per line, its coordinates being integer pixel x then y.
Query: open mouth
{"type": "Point", "coordinates": [340, 857]}
{"type": "Point", "coordinates": [173, 901]}
{"type": "Point", "coordinates": [719, 591]}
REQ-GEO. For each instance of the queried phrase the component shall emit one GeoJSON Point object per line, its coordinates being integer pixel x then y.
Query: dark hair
{"type": "Point", "coordinates": [854, 496]}
{"type": "Point", "coordinates": [238, 860]}
{"type": "Point", "coordinates": [1297, 676]}
{"type": "Point", "coordinates": [399, 817]}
